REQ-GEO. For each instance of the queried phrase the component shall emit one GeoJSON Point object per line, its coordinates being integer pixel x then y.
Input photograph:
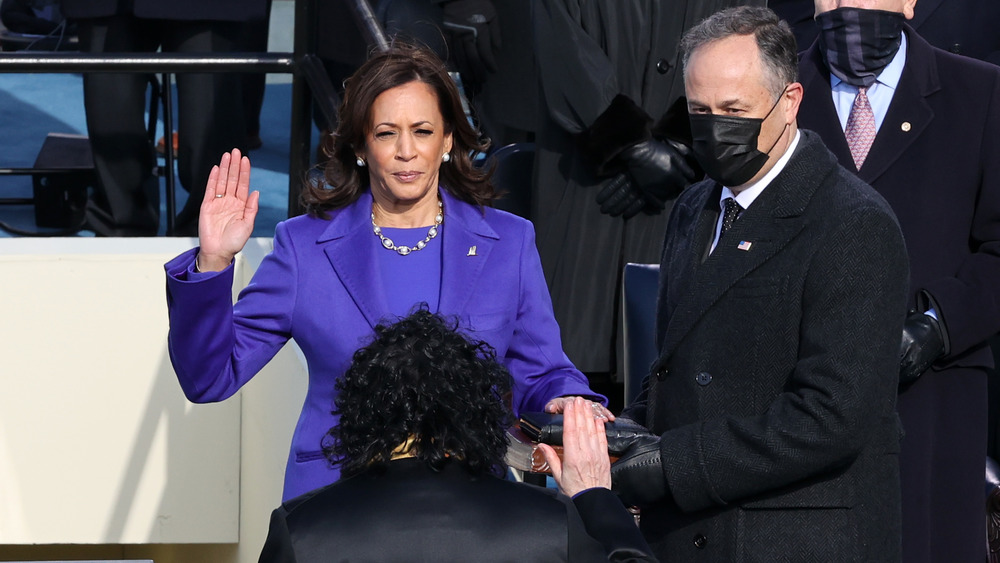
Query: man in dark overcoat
{"type": "Point", "coordinates": [935, 157]}
{"type": "Point", "coordinates": [609, 72]}
{"type": "Point", "coordinates": [210, 109]}
{"type": "Point", "coordinates": [782, 294]}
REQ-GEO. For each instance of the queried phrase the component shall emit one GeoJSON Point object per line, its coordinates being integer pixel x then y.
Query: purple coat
{"type": "Point", "coordinates": [321, 286]}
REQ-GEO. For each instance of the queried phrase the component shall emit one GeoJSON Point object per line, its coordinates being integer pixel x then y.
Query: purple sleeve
{"type": "Point", "coordinates": [535, 358]}
{"type": "Point", "coordinates": [216, 347]}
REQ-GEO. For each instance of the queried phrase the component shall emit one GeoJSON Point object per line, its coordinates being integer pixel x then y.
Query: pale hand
{"type": "Point", "coordinates": [585, 463]}
{"type": "Point", "coordinates": [227, 212]}
{"type": "Point", "coordinates": [558, 404]}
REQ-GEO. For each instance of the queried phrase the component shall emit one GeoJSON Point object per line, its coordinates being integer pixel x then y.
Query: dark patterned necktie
{"type": "Point", "coordinates": [731, 211]}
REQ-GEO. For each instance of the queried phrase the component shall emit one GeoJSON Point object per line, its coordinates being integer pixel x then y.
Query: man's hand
{"type": "Point", "coordinates": [475, 33]}
{"type": "Point", "coordinates": [585, 463]}
{"type": "Point", "coordinates": [922, 344]}
{"type": "Point", "coordinates": [656, 171]}
{"type": "Point", "coordinates": [637, 477]}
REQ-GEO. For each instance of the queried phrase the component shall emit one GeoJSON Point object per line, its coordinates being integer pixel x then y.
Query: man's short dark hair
{"type": "Point", "coordinates": [778, 50]}
{"type": "Point", "coordinates": [421, 379]}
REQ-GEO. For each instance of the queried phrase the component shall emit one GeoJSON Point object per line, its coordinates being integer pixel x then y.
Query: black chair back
{"type": "Point", "coordinates": [513, 177]}
{"type": "Point", "coordinates": [639, 288]}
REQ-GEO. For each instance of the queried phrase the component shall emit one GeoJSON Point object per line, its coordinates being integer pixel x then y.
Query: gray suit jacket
{"type": "Point", "coordinates": [775, 387]}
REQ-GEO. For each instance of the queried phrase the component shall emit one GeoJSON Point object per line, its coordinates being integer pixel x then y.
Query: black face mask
{"type": "Point", "coordinates": [857, 44]}
{"type": "Point", "coordinates": [726, 146]}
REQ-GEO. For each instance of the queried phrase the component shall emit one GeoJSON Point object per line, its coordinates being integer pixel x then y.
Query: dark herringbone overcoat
{"type": "Point", "coordinates": [775, 387]}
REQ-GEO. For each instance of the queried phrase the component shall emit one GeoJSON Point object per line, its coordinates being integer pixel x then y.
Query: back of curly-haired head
{"type": "Point", "coordinates": [421, 379]}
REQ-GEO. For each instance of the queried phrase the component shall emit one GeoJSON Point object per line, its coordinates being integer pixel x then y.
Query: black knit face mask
{"type": "Point", "coordinates": [857, 44]}
{"type": "Point", "coordinates": [726, 146]}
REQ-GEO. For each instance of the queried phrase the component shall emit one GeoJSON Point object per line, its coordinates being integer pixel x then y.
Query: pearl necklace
{"type": "Point", "coordinates": [404, 250]}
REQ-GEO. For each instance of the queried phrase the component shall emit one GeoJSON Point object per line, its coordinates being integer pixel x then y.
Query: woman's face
{"type": "Point", "coordinates": [404, 146]}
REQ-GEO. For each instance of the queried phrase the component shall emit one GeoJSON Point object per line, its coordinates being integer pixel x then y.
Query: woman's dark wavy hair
{"type": "Point", "coordinates": [344, 181]}
{"type": "Point", "coordinates": [421, 378]}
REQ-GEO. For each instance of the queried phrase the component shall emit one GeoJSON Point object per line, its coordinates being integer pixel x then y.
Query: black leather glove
{"type": "Point", "coordinates": [475, 34]}
{"type": "Point", "coordinates": [657, 171]}
{"type": "Point", "coordinates": [623, 433]}
{"type": "Point", "coordinates": [637, 477]}
{"type": "Point", "coordinates": [620, 197]}
{"type": "Point", "coordinates": [547, 428]}
{"type": "Point", "coordinates": [922, 344]}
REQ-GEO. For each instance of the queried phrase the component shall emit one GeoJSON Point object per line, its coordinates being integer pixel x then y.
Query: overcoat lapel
{"type": "Point", "coordinates": [909, 113]}
{"type": "Point", "coordinates": [774, 220]}
{"type": "Point", "coordinates": [690, 246]}
{"type": "Point", "coordinates": [348, 247]}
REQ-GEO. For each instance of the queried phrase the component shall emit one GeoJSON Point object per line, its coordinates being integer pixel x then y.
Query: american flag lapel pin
{"type": "Point", "coordinates": [472, 251]}
{"type": "Point", "coordinates": [744, 245]}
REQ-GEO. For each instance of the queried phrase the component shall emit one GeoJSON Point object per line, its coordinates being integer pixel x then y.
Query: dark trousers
{"type": "Point", "coordinates": [210, 121]}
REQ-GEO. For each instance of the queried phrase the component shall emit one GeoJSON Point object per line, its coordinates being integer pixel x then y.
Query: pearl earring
{"type": "Point", "coordinates": [446, 157]}
{"type": "Point", "coordinates": [360, 162]}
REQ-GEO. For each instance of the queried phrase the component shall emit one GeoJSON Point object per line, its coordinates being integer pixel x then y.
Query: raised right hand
{"type": "Point", "coordinates": [227, 212]}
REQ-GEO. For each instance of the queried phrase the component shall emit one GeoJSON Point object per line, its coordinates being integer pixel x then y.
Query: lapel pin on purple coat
{"type": "Point", "coordinates": [472, 251]}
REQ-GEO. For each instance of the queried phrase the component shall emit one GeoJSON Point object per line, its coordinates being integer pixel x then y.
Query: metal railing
{"type": "Point", "coordinates": [310, 82]}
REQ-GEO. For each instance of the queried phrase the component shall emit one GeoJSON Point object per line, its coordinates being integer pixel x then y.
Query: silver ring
{"type": "Point", "coordinates": [220, 195]}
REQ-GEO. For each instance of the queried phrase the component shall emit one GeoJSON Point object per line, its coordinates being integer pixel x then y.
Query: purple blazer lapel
{"type": "Point", "coordinates": [468, 242]}
{"type": "Point", "coordinates": [347, 246]}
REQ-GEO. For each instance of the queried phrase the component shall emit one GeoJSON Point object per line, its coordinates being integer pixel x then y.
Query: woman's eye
{"type": "Point", "coordinates": [424, 132]}
{"type": "Point", "coordinates": [383, 134]}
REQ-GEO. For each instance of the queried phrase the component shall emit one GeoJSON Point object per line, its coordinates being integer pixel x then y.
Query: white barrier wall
{"type": "Point", "coordinates": [97, 443]}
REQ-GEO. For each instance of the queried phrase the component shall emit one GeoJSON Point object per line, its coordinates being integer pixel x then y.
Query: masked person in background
{"type": "Point", "coordinates": [782, 293]}
{"type": "Point", "coordinates": [921, 126]}
{"type": "Point", "coordinates": [610, 157]}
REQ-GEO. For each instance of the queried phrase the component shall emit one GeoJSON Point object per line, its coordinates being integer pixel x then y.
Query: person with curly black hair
{"type": "Point", "coordinates": [414, 386]}
{"type": "Point", "coordinates": [403, 217]}
{"type": "Point", "coordinates": [421, 442]}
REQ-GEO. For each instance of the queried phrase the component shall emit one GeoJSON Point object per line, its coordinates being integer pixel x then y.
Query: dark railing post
{"type": "Point", "coordinates": [309, 83]}
{"type": "Point", "coordinates": [301, 130]}
{"type": "Point", "coordinates": [168, 151]}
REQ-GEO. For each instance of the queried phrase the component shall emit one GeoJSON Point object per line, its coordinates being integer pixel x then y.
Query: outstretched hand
{"type": "Point", "coordinates": [558, 405]}
{"type": "Point", "coordinates": [585, 463]}
{"type": "Point", "coordinates": [227, 212]}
